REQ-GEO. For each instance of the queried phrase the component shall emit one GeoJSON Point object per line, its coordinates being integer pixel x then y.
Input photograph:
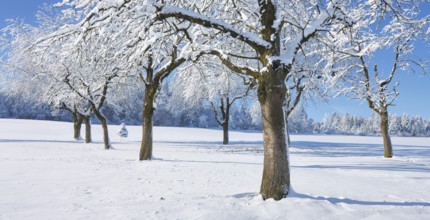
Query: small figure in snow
{"type": "Point", "coordinates": [123, 133]}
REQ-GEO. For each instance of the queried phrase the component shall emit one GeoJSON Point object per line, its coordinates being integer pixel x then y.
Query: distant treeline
{"type": "Point", "coordinates": [244, 117]}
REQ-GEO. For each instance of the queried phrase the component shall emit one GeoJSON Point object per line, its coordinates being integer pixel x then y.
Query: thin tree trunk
{"type": "Point", "coordinates": [287, 131]}
{"type": "Point", "coordinates": [87, 120]}
{"type": "Point", "coordinates": [105, 134]}
{"type": "Point", "coordinates": [226, 119]}
{"type": "Point", "coordinates": [225, 132]}
{"type": "Point", "coordinates": [77, 125]}
{"type": "Point", "coordinates": [388, 148]}
{"type": "Point", "coordinates": [147, 124]}
{"type": "Point", "coordinates": [276, 174]}
{"type": "Point", "coordinates": [103, 121]}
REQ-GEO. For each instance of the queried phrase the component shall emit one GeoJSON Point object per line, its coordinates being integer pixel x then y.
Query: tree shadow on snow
{"type": "Point", "coordinates": [37, 141]}
{"type": "Point", "coordinates": [335, 149]}
{"type": "Point", "coordinates": [216, 143]}
{"type": "Point", "coordinates": [382, 167]}
{"type": "Point", "coordinates": [336, 201]}
{"type": "Point", "coordinates": [209, 161]}
{"type": "Point", "coordinates": [327, 149]}
{"type": "Point", "coordinates": [246, 195]}
{"type": "Point", "coordinates": [356, 202]}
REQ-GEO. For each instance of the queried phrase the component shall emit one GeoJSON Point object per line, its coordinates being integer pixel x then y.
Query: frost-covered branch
{"type": "Point", "coordinates": [165, 11]}
{"type": "Point", "coordinates": [233, 67]}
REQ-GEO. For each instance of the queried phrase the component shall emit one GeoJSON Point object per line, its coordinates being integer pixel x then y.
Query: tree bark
{"type": "Point", "coordinates": [105, 134]}
{"type": "Point", "coordinates": [77, 125]}
{"type": "Point", "coordinates": [276, 174]}
{"type": "Point", "coordinates": [87, 120]}
{"type": "Point", "coordinates": [225, 132]}
{"type": "Point", "coordinates": [226, 118]}
{"type": "Point", "coordinates": [287, 131]}
{"type": "Point", "coordinates": [103, 121]}
{"type": "Point", "coordinates": [388, 148]}
{"type": "Point", "coordinates": [147, 124]}
{"type": "Point", "coordinates": [271, 95]}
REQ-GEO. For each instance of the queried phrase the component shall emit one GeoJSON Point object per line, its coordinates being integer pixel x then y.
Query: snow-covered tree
{"type": "Point", "coordinates": [27, 72]}
{"type": "Point", "coordinates": [303, 84]}
{"type": "Point", "coordinates": [382, 27]}
{"type": "Point", "coordinates": [273, 32]}
{"type": "Point", "coordinates": [212, 84]}
{"type": "Point", "coordinates": [255, 112]}
{"type": "Point", "coordinates": [153, 58]}
{"type": "Point", "coordinates": [298, 121]}
{"type": "Point", "coordinates": [123, 132]}
{"type": "Point", "coordinates": [403, 125]}
{"type": "Point", "coordinates": [155, 69]}
{"type": "Point", "coordinates": [268, 36]}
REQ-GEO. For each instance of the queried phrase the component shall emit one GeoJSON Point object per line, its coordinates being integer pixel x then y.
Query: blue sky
{"type": "Point", "coordinates": [414, 90]}
{"type": "Point", "coordinates": [21, 9]}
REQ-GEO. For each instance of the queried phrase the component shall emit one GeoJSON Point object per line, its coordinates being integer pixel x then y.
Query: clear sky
{"type": "Point", "coordinates": [414, 90]}
{"type": "Point", "coordinates": [21, 9]}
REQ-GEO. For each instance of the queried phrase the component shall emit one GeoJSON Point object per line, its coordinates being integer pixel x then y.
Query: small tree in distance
{"type": "Point", "coordinates": [364, 80]}
{"type": "Point", "coordinates": [212, 83]}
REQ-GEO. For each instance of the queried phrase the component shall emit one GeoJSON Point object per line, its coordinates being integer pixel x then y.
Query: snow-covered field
{"type": "Point", "coordinates": [44, 174]}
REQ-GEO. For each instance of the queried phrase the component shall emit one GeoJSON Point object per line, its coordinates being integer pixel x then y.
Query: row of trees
{"type": "Point", "coordinates": [85, 57]}
{"type": "Point", "coordinates": [403, 125]}
{"type": "Point", "coordinates": [244, 115]}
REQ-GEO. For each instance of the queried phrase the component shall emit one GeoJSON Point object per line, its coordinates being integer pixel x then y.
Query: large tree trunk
{"type": "Point", "coordinates": [87, 120]}
{"type": "Point", "coordinates": [103, 121]}
{"type": "Point", "coordinates": [77, 125]}
{"type": "Point", "coordinates": [388, 148]}
{"type": "Point", "coordinates": [276, 174]}
{"type": "Point", "coordinates": [271, 95]}
{"type": "Point", "coordinates": [147, 124]}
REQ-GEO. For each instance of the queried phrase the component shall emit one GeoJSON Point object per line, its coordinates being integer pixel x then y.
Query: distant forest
{"type": "Point", "coordinates": [244, 117]}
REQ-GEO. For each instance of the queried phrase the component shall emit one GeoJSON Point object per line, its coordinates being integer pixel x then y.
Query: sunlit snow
{"type": "Point", "coordinates": [47, 175]}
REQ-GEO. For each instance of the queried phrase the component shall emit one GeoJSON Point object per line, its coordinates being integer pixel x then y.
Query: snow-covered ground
{"type": "Point", "coordinates": [44, 174]}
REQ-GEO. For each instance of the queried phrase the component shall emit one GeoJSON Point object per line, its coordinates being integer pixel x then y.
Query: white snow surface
{"type": "Point", "coordinates": [45, 174]}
